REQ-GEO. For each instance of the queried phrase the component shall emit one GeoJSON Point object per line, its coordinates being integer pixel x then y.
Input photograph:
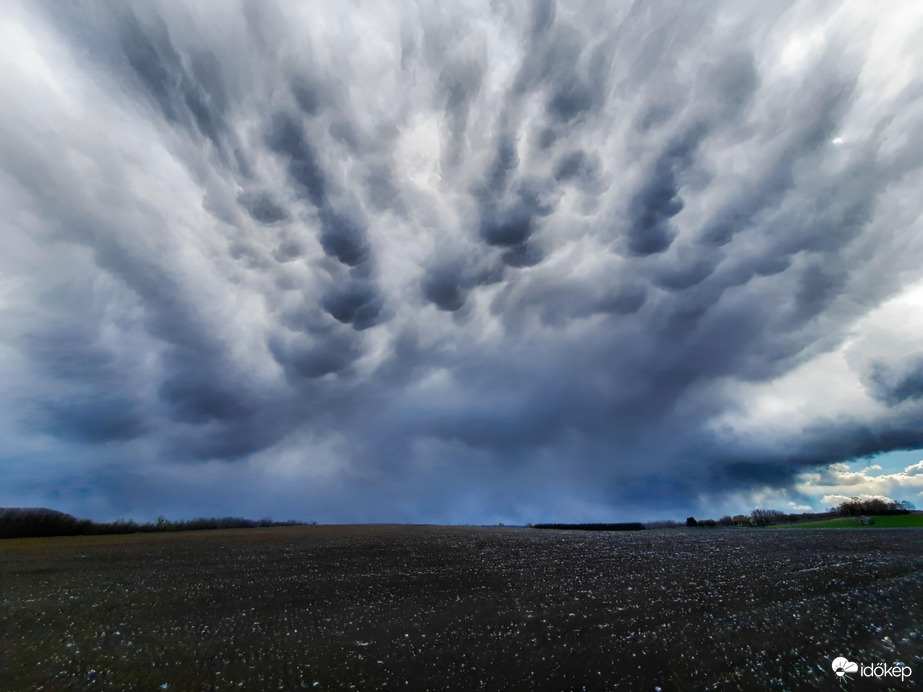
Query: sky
{"type": "Point", "coordinates": [462, 262]}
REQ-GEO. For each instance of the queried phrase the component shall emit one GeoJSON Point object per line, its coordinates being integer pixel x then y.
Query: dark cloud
{"type": "Point", "coordinates": [309, 96]}
{"type": "Point", "coordinates": [570, 165]}
{"type": "Point", "coordinates": [570, 101]}
{"type": "Point", "coordinates": [457, 265]}
{"type": "Point", "coordinates": [507, 227]}
{"type": "Point", "coordinates": [286, 137]}
{"type": "Point", "coordinates": [199, 397]}
{"type": "Point", "coordinates": [505, 162]}
{"type": "Point", "coordinates": [188, 89]}
{"type": "Point", "coordinates": [460, 81]}
{"type": "Point", "coordinates": [343, 237]}
{"type": "Point", "coordinates": [690, 268]}
{"type": "Point", "coordinates": [154, 60]}
{"type": "Point", "coordinates": [262, 207]}
{"type": "Point", "coordinates": [446, 285]}
{"type": "Point", "coordinates": [91, 400]}
{"type": "Point", "coordinates": [896, 383]}
{"type": "Point", "coordinates": [354, 302]}
{"type": "Point", "coordinates": [522, 254]}
{"type": "Point", "coordinates": [93, 421]}
{"type": "Point", "coordinates": [659, 199]}
{"type": "Point", "coordinates": [543, 13]}
{"type": "Point", "coordinates": [558, 302]}
{"type": "Point", "coordinates": [383, 190]}
{"type": "Point", "coordinates": [314, 358]}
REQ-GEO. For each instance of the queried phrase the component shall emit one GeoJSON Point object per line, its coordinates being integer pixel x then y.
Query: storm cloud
{"type": "Point", "coordinates": [571, 261]}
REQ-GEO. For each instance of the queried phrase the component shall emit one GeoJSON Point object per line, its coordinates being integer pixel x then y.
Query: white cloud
{"type": "Point", "coordinates": [837, 483]}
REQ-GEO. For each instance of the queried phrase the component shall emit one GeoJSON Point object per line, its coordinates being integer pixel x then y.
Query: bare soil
{"type": "Point", "coordinates": [436, 608]}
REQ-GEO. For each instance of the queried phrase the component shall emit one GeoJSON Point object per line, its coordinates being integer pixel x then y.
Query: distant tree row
{"type": "Point", "coordinates": [766, 517]}
{"type": "Point", "coordinates": [630, 526]}
{"type": "Point", "coordinates": [758, 517]}
{"type": "Point", "coordinates": [30, 522]}
{"type": "Point", "coordinates": [873, 505]}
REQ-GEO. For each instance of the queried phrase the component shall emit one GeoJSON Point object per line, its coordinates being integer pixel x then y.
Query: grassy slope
{"type": "Point", "coordinates": [886, 522]}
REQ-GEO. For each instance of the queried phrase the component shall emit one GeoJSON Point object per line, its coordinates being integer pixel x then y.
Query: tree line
{"type": "Point", "coordinates": [873, 505]}
{"type": "Point", "coordinates": [34, 522]}
{"type": "Point", "coordinates": [765, 517]}
{"type": "Point", "coordinates": [628, 526]}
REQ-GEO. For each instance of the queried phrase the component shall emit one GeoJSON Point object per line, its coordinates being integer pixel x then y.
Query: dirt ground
{"type": "Point", "coordinates": [436, 608]}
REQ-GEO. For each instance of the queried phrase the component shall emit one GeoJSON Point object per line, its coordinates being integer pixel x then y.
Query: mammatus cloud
{"type": "Point", "coordinates": [576, 261]}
